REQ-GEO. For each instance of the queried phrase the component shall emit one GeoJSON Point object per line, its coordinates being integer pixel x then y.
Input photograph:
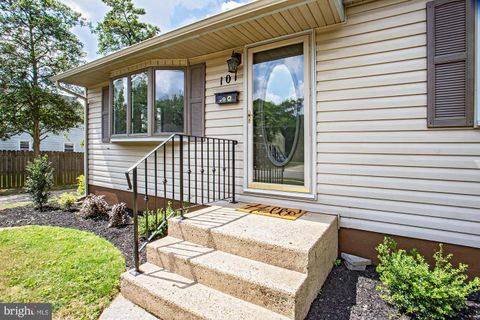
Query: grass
{"type": "Point", "coordinates": [14, 205]}
{"type": "Point", "coordinates": [77, 271]}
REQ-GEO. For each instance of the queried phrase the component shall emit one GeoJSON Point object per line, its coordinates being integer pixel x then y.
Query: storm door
{"type": "Point", "coordinates": [278, 116]}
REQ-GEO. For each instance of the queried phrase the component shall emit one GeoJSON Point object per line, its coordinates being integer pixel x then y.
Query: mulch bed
{"type": "Point", "coordinates": [345, 295]}
{"type": "Point", "coordinates": [122, 238]}
{"type": "Point", "coordinates": [352, 295]}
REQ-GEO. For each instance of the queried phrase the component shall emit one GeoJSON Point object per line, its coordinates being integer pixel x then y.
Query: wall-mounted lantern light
{"type": "Point", "coordinates": [233, 62]}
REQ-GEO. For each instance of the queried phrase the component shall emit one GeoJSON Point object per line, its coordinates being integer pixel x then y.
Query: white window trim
{"type": "Point", "coordinates": [20, 145]}
{"type": "Point", "coordinates": [68, 143]}
{"type": "Point", "coordinates": [128, 119]}
{"type": "Point", "coordinates": [150, 134]}
{"type": "Point", "coordinates": [309, 190]}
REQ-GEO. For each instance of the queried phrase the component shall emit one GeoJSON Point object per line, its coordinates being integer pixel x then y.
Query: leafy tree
{"type": "Point", "coordinates": [278, 120]}
{"type": "Point", "coordinates": [169, 117]}
{"type": "Point", "coordinates": [119, 106]}
{"type": "Point", "coordinates": [121, 28]}
{"type": "Point", "coordinates": [139, 103]}
{"type": "Point", "coordinates": [36, 43]}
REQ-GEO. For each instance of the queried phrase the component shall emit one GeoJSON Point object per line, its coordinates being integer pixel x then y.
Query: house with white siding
{"type": "Point", "coordinates": [364, 114]}
{"type": "Point", "coordinates": [70, 141]}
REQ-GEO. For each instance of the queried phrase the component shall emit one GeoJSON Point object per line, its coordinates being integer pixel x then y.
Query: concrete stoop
{"type": "Point", "coordinates": [219, 263]}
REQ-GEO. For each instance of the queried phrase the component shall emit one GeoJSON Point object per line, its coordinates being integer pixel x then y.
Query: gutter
{"type": "Point", "coordinates": [85, 133]}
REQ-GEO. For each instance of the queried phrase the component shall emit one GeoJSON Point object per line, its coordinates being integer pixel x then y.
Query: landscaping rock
{"type": "Point", "coordinates": [356, 261]}
{"type": "Point", "coordinates": [353, 267]}
{"type": "Point", "coordinates": [119, 216]}
{"type": "Point", "coordinates": [94, 207]}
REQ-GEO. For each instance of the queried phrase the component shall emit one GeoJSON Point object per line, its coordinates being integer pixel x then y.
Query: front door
{"type": "Point", "coordinates": [279, 116]}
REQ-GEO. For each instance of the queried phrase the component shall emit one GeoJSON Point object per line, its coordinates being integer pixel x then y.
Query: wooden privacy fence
{"type": "Point", "coordinates": [67, 167]}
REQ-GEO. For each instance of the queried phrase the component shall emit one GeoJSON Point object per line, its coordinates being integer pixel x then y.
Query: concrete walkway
{"type": "Point", "coordinates": [25, 197]}
{"type": "Point", "coordinates": [123, 309]}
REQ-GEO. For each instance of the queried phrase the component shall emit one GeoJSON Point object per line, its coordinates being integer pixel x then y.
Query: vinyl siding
{"type": "Point", "coordinates": [109, 161]}
{"type": "Point", "coordinates": [378, 166]}
{"type": "Point", "coordinates": [225, 121]}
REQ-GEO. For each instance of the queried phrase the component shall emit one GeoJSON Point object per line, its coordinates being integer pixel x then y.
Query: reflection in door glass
{"type": "Point", "coordinates": [278, 116]}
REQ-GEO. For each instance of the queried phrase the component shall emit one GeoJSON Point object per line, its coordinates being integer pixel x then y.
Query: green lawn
{"type": "Point", "coordinates": [78, 272]}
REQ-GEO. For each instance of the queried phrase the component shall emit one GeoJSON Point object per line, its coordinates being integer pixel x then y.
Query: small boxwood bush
{"type": "Point", "coordinates": [67, 200]}
{"type": "Point", "coordinates": [416, 289]}
{"type": "Point", "coordinates": [39, 180]}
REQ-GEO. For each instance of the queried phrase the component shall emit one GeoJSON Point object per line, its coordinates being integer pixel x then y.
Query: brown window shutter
{"type": "Point", "coordinates": [450, 63]}
{"type": "Point", "coordinates": [105, 114]}
{"type": "Point", "coordinates": [196, 99]}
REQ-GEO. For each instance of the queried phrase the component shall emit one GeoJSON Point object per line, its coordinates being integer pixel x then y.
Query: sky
{"type": "Point", "coordinates": [167, 14]}
{"type": "Point", "coordinates": [279, 80]}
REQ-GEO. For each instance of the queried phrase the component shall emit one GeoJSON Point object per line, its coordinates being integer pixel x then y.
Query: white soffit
{"type": "Point", "coordinates": [253, 22]}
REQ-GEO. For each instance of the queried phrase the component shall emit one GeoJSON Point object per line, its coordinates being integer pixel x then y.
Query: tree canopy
{"type": "Point", "coordinates": [36, 43]}
{"type": "Point", "coordinates": [121, 27]}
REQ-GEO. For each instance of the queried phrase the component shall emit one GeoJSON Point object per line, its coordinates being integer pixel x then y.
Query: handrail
{"type": "Point", "coordinates": [150, 153]}
{"type": "Point", "coordinates": [161, 145]}
{"type": "Point", "coordinates": [217, 163]}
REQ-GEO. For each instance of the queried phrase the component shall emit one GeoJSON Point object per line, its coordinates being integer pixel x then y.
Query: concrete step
{"type": "Point", "coordinates": [294, 245]}
{"type": "Point", "coordinates": [170, 296]}
{"type": "Point", "coordinates": [124, 309]}
{"type": "Point", "coordinates": [277, 289]}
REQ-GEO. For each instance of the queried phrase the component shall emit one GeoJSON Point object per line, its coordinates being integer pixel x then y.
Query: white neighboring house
{"type": "Point", "coordinates": [68, 141]}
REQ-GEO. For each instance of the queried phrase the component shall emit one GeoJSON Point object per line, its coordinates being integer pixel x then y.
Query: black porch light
{"type": "Point", "coordinates": [234, 61]}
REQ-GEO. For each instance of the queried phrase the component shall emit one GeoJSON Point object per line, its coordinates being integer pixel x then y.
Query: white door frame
{"type": "Point", "coordinates": [308, 189]}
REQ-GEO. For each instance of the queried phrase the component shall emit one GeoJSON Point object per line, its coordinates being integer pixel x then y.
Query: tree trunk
{"type": "Point", "coordinates": [35, 105]}
{"type": "Point", "coordinates": [36, 138]}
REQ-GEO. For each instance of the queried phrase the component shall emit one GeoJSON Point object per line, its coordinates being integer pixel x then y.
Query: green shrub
{"type": "Point", "coordinates": [151, 226]}
{"type": "Point", "coordinates": [337, 262]}
{"type": "Point", "coordinates": [417, 290]}
{"type": "Point", "coordinates": [67, 200]}
{"type": "Point", "coordinates": [39, 180]}
{"type": "Point", "coordinates": [81, 185]}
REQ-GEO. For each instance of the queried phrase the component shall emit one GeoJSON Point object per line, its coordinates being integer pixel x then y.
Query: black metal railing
{"type": "Point", "coordinates": [198, 171]}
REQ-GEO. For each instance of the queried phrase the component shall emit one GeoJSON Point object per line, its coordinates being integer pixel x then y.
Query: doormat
{"type": "Point", "coordinates": [272, 211]}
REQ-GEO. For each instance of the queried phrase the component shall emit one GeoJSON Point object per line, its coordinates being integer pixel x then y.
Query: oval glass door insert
{"type": "Point", "coordinates": [278, 116]}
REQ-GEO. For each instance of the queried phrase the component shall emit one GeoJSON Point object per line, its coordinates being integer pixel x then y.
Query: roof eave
{"type": "Point", "coordinates": [194, 29]}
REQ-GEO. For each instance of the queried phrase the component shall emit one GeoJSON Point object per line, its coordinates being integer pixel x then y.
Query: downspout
{"type": "Point", "coordinates": [85, 125]}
